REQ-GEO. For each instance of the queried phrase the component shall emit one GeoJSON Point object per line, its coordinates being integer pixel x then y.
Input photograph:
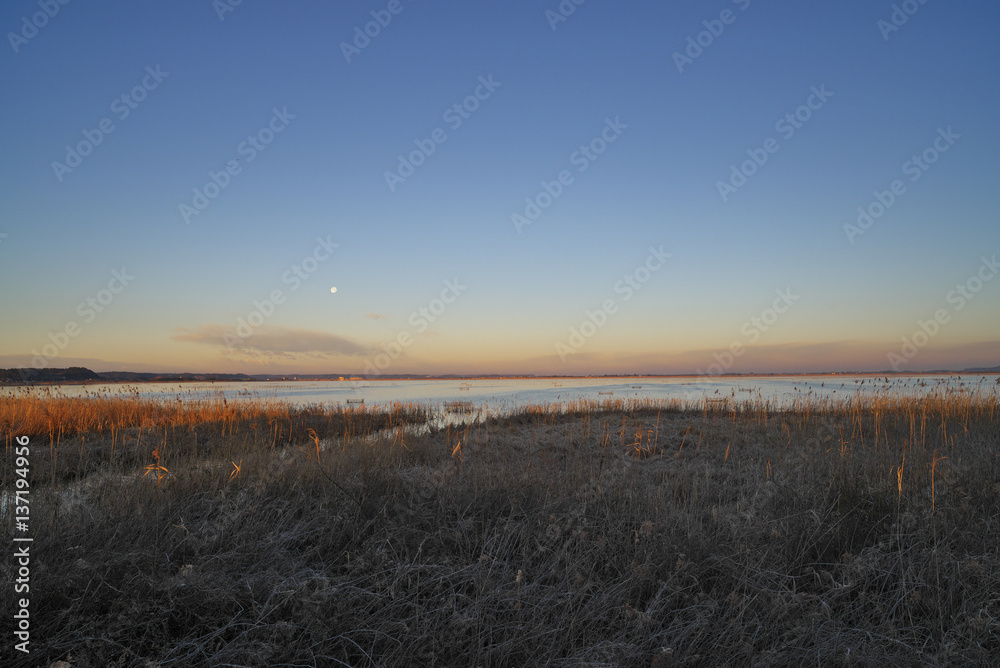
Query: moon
{"type": "Point", "coordinates": [333, 289]}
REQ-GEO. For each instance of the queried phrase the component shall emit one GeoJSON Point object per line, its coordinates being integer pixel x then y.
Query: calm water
{"type": "Point", "coordinates": [512, 393]}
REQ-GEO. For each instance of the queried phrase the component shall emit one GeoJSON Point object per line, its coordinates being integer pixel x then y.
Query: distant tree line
{"type": "Point", "coordinates": [30, 375]}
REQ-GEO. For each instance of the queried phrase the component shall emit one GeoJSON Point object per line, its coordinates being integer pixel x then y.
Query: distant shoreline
{"type": "Point", "coordinates": [157, 379]}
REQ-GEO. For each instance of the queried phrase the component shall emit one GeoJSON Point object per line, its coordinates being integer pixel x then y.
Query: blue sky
{"type": "Point", "coordinates": [525, 293]}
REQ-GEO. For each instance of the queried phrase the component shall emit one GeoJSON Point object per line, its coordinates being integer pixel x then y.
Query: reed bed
{"type": "Point", "coordinates": [622, 533]}
{"type": "Point", "coordinates": [53, 415]}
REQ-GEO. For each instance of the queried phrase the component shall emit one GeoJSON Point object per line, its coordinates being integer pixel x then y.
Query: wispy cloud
{"type": "Point", "coordinates": [273, 341]}
{"type": "Point", "coordinates": [376, 316]}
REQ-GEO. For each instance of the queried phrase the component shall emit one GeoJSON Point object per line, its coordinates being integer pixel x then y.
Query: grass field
{"type": "Point", "coordinates": [857, 533]}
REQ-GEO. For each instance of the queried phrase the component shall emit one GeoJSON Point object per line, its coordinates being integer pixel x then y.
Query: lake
{"type": "Point", "coordinates": [507, 394]}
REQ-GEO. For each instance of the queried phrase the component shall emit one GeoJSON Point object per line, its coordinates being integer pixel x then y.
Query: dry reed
{"type": "Point", "coordinates": [631, 533]}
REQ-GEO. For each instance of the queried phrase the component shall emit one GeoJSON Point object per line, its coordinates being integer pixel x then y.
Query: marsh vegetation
{"type": "Point", "coordinates": [633, 533]}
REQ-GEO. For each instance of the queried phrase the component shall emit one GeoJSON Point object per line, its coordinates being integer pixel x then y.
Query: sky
{"type": "Point", "coordinates": [512, 187]}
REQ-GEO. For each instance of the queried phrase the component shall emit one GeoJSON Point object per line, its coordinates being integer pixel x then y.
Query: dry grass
{"type": "Point", "coordinates": [857, 533]}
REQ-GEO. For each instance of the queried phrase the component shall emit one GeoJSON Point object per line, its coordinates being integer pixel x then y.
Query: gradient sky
{"type": "Point", "coordinates": [892, 94]}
